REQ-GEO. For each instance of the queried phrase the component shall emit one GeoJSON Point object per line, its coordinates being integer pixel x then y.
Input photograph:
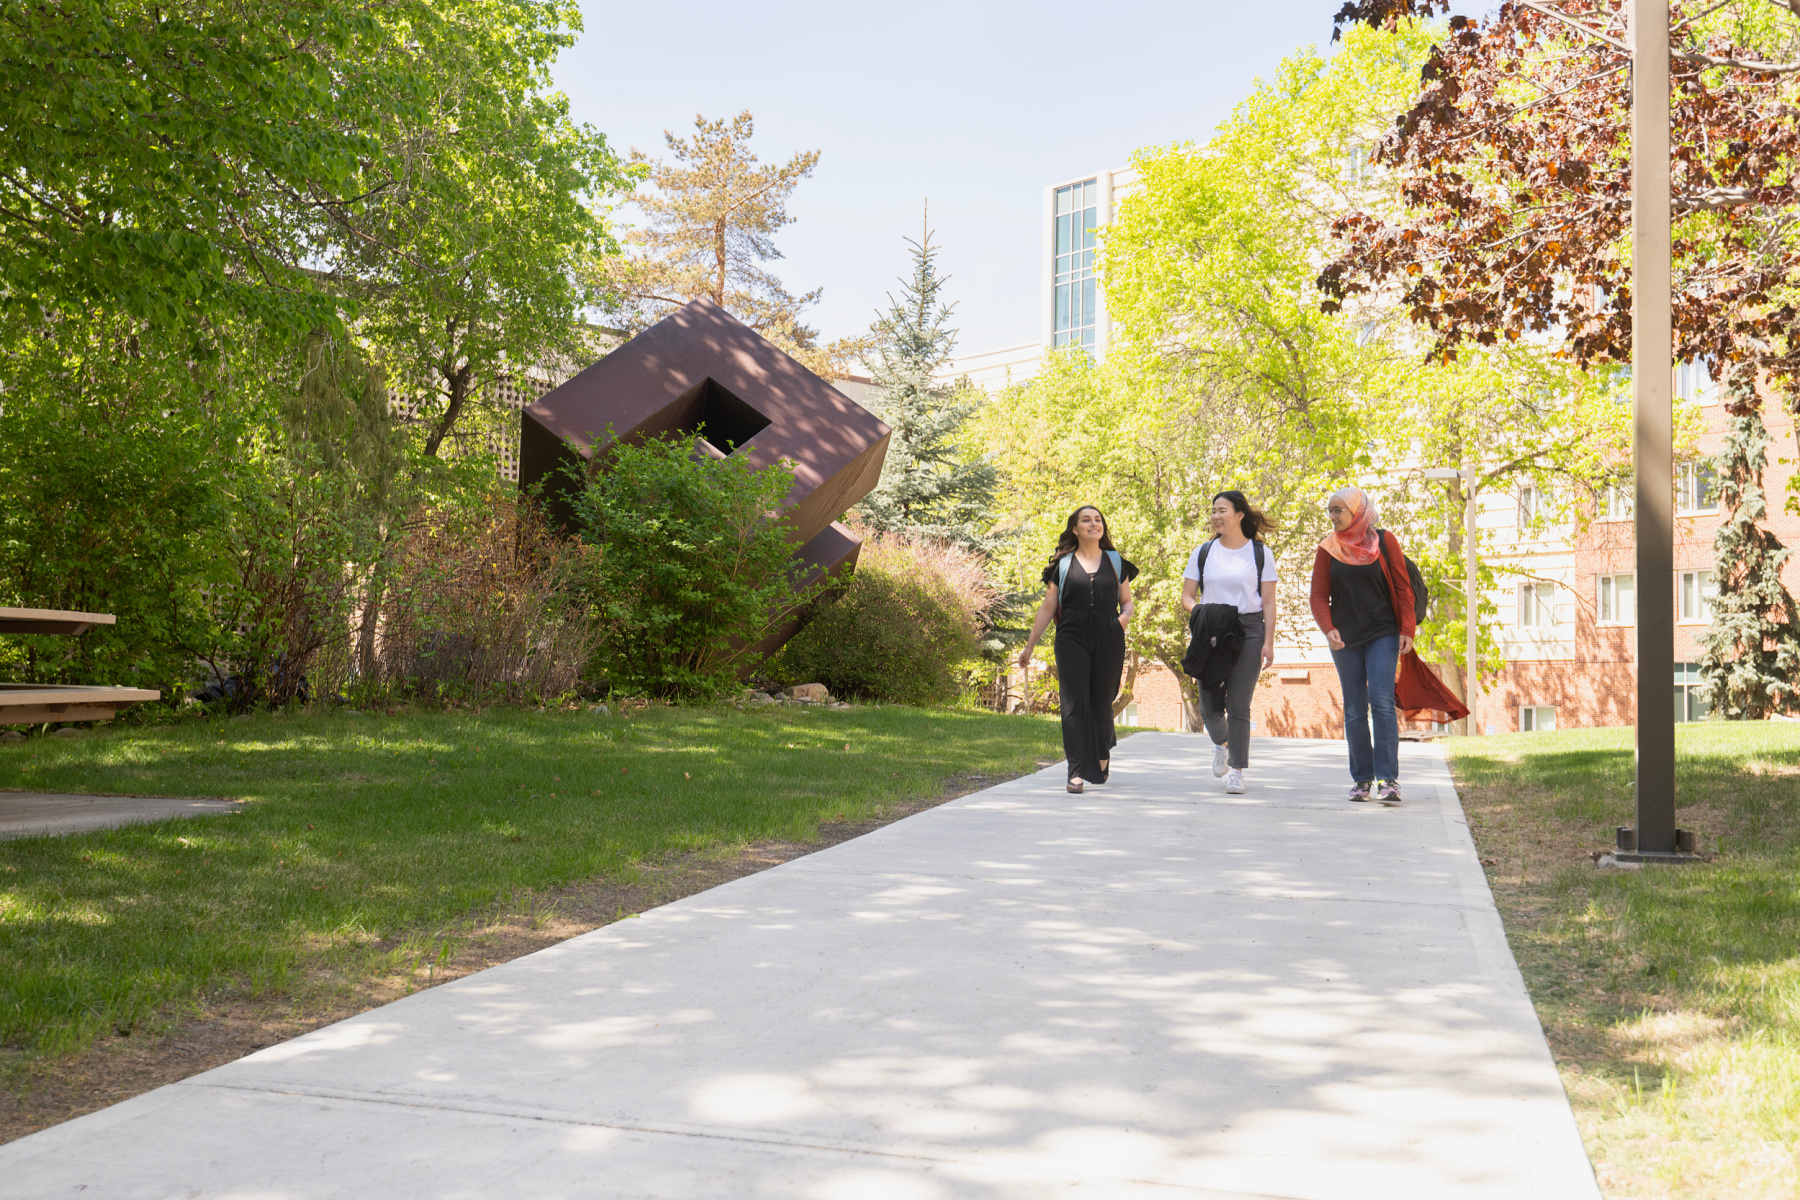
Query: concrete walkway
{"type": "Point", "coordinates": [1152, 990]}
{"type": "Point", "coordinates": [36, 814]}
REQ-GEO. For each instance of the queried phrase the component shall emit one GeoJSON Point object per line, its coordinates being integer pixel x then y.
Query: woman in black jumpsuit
{"type": "Point", "coordinates": [1094, 599]}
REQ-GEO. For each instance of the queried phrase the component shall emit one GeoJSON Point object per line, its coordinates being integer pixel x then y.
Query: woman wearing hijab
{"type": "Point", "coordinates": [1088, 592]}
{"type": "Point", "coordinates": [1363, 602]}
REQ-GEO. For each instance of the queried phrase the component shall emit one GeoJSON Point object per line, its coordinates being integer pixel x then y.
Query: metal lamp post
{"type": "Point", "coordinates": [1471, 619]}
{"type": "Point", "coordinates": [1655, 837]}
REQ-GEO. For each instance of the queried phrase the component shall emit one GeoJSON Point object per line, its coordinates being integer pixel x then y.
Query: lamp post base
{"type": "Point", "coordinates": [1626, 850]}
{"type": "Point", "coordinates": [1670, 858]}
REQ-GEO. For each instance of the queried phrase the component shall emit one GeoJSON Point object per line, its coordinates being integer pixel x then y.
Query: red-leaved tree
{"type": "Point", "coordinates": [1514, 168]}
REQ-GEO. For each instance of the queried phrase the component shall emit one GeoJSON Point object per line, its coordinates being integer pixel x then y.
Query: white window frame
{"type": "Point", "coordinates": [1689, 499]}
{"type": "Point", "coordinates": [1689, 686]}
{"type": "Point", "coordinates": [1615, 599]}
{"type": "Point", "coordinates": [1532, 717]}
{"type": "Point", "coordinates": [1693, 599]}
{"type": "Point", "coordinates": [1614, 503]}
{"type": "Point", "coordinates": [1694, 381]}
{"type": "Point", "coordinates": [1537, 606]}
{"type": "Point", "coordinates": [1530, 501]}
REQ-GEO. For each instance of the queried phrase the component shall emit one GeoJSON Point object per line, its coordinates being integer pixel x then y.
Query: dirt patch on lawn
{"type": "Point", "coordinates": [34, 1095]}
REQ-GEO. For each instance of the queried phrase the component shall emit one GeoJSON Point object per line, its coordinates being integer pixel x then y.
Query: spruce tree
{"type": "Point", "coordinates": [1751, 655]}
{"type": "Point", "coordinates": [928, 486]}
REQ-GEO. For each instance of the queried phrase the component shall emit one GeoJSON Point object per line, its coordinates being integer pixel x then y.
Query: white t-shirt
{"type": "Point", "coordinates": [1231, 575]}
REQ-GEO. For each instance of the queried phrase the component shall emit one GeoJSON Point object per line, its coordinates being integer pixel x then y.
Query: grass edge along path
{"type": "Point", "coordinates": [377, 855]}
{"type": "Point", "coordinates": [1670, 996]}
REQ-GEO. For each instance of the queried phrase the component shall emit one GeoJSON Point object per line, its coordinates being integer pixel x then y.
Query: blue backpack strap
{"type": "Point", "coordinates": [1062, 571]}
{"type": "Point", "coordinates": [1118, 562]}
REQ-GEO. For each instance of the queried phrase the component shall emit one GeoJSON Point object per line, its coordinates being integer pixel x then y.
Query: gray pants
{"type": "Point", "coordinates": [1232, 727]}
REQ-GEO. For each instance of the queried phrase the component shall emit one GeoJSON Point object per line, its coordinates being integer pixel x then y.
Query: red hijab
{"type": "Point", "coordinates": [1357, 545]}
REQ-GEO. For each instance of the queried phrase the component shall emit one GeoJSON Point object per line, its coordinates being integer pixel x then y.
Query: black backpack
{"type": "Point", "coordinates": [1421, 597]}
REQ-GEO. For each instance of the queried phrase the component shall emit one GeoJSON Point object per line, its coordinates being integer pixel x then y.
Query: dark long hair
{"type": "Point", "coordinates": [1068, 542]}
{"type": "Point", "coordinates": [1252, 522]}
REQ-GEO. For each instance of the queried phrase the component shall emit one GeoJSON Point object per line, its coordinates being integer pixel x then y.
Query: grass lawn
{"type": "Point", "coordinates": [363, 834]}
{"type": "Point", "coordinates": [1671, 995]}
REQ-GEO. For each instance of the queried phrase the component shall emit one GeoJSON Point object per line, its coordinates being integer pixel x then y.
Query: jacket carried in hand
{"type": "Point", "coordinates": [1215, 639]}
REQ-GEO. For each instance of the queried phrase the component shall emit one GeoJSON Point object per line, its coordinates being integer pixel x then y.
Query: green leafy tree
{"type": "Point", "coordinates": [1211, 279]}
{"type": "Point", "coordinates": [692, 569]}
{"type": "Point", "coordinates": [930, 484]}
{"type": "Point", "coordinates": [161, 159]}
{"type": "Point", "coordinates": [1751, 651]}
{"type": "Point", "coordinates": [118, 458]}
{"type": "Point", "coordinates": [462, 264]}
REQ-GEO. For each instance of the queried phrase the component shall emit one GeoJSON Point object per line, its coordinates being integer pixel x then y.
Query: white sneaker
{"type": "Point", "coordinates": [1234, 781]}
{"type": "Point", "coordinates": [1219, 764]}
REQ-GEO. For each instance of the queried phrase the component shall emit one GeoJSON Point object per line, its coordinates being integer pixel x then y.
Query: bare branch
{"type": "Point", "coordinates": [1572, 23]}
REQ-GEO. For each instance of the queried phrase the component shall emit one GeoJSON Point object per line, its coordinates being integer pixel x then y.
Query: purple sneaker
{"type": "Point", "coordinates": [1359, 792]}
{"type": "Point", "coordinates": [1388, 792]}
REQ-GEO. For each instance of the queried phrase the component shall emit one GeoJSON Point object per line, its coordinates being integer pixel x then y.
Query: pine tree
{"type": "Point", "coordinates": [927, 485]}
{"type": "Point", "coordinates": [1751, 657]}
{"type": "Point", "coordinates": [712, 221]}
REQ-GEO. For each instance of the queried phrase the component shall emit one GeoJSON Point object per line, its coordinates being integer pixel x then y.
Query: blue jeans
{"type": "Point", "coordinates": [1366, 673]}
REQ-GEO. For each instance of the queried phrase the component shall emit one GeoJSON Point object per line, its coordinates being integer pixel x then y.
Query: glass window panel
{"type": "Point", "coordinates": [1699, 704]}
{"type": "Point", "coordinates": [1062, 235]}
{"type": "Point", "coordinates": [1087, 301]}
{"type": "Point", "coordinates": [1063, 198]}
{"type": "Point", "coordinates": [1062, 305]}
{"type": "Point", "coordinates": [1088, 192]}
{"type": "Point", "coordinates": [1681, 712]}
{"type": "Point", "coordinates": [1625, 598]}
{"type": "Point", "coordinates": [1089, 227]}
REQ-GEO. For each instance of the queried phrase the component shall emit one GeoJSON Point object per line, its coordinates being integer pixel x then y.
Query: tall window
{"type": "Point", "coordinates": [1697, 591]}
{"type": "Point", "coordinates": [1694, 381]}
{"type": "Point", "coordinates": [1614, 503]}
{"type": "Point", "coordinates": [1617, 599]}
{"type": "Point", "coordinates": [1077, 305]}
{"type": "Point", "coordinates": [1537, 605]}
{"type": "Point", "coordinates": [1694, 483]}
{"type": "Point", "coordinates": [1691, 703]}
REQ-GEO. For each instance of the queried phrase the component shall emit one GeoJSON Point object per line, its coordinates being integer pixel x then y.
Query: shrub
{"type": "Point", "coordinates": [903, 627]}
{"type": "Point", "coordinates": [477, 606]}
{"type": "Point", "coordinates": [693, 565]}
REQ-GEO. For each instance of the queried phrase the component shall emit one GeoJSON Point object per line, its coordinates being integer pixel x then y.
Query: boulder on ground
{"type": "Point", "coordinates": [815, 692]}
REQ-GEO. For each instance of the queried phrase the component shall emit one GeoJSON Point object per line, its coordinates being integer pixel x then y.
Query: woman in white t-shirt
{"type": "Point", "coordinates": [1232, 577]}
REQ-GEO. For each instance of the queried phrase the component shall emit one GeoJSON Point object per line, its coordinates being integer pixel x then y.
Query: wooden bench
{"type": "Point", "coordinates": [36, 703]}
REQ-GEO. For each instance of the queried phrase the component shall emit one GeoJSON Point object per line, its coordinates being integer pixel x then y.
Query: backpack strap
{"type": "Point", "coordinates": [1257, 549]}
{"type": "Point", "coordinates": [1062, 567]}
{"type": "Point", "coordinates": [1387, 571]}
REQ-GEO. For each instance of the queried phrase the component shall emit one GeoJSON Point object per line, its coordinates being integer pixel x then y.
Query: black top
{"type": "Point", "coordinates": [1361, 606]}
{"type": "Point", "coordinates": [1097, 592]}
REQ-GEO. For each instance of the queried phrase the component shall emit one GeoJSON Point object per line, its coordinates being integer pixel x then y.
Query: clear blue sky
{"type": "Point", "coordinates": [974, 105]}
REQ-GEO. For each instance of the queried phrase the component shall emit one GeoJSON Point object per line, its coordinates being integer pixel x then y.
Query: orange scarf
{"type": "Point", "coordinates": [1357, 545]}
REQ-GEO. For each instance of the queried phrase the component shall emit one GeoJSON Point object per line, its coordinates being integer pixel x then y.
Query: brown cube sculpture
{"type": "Point", "coordinates": [702, 366]}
